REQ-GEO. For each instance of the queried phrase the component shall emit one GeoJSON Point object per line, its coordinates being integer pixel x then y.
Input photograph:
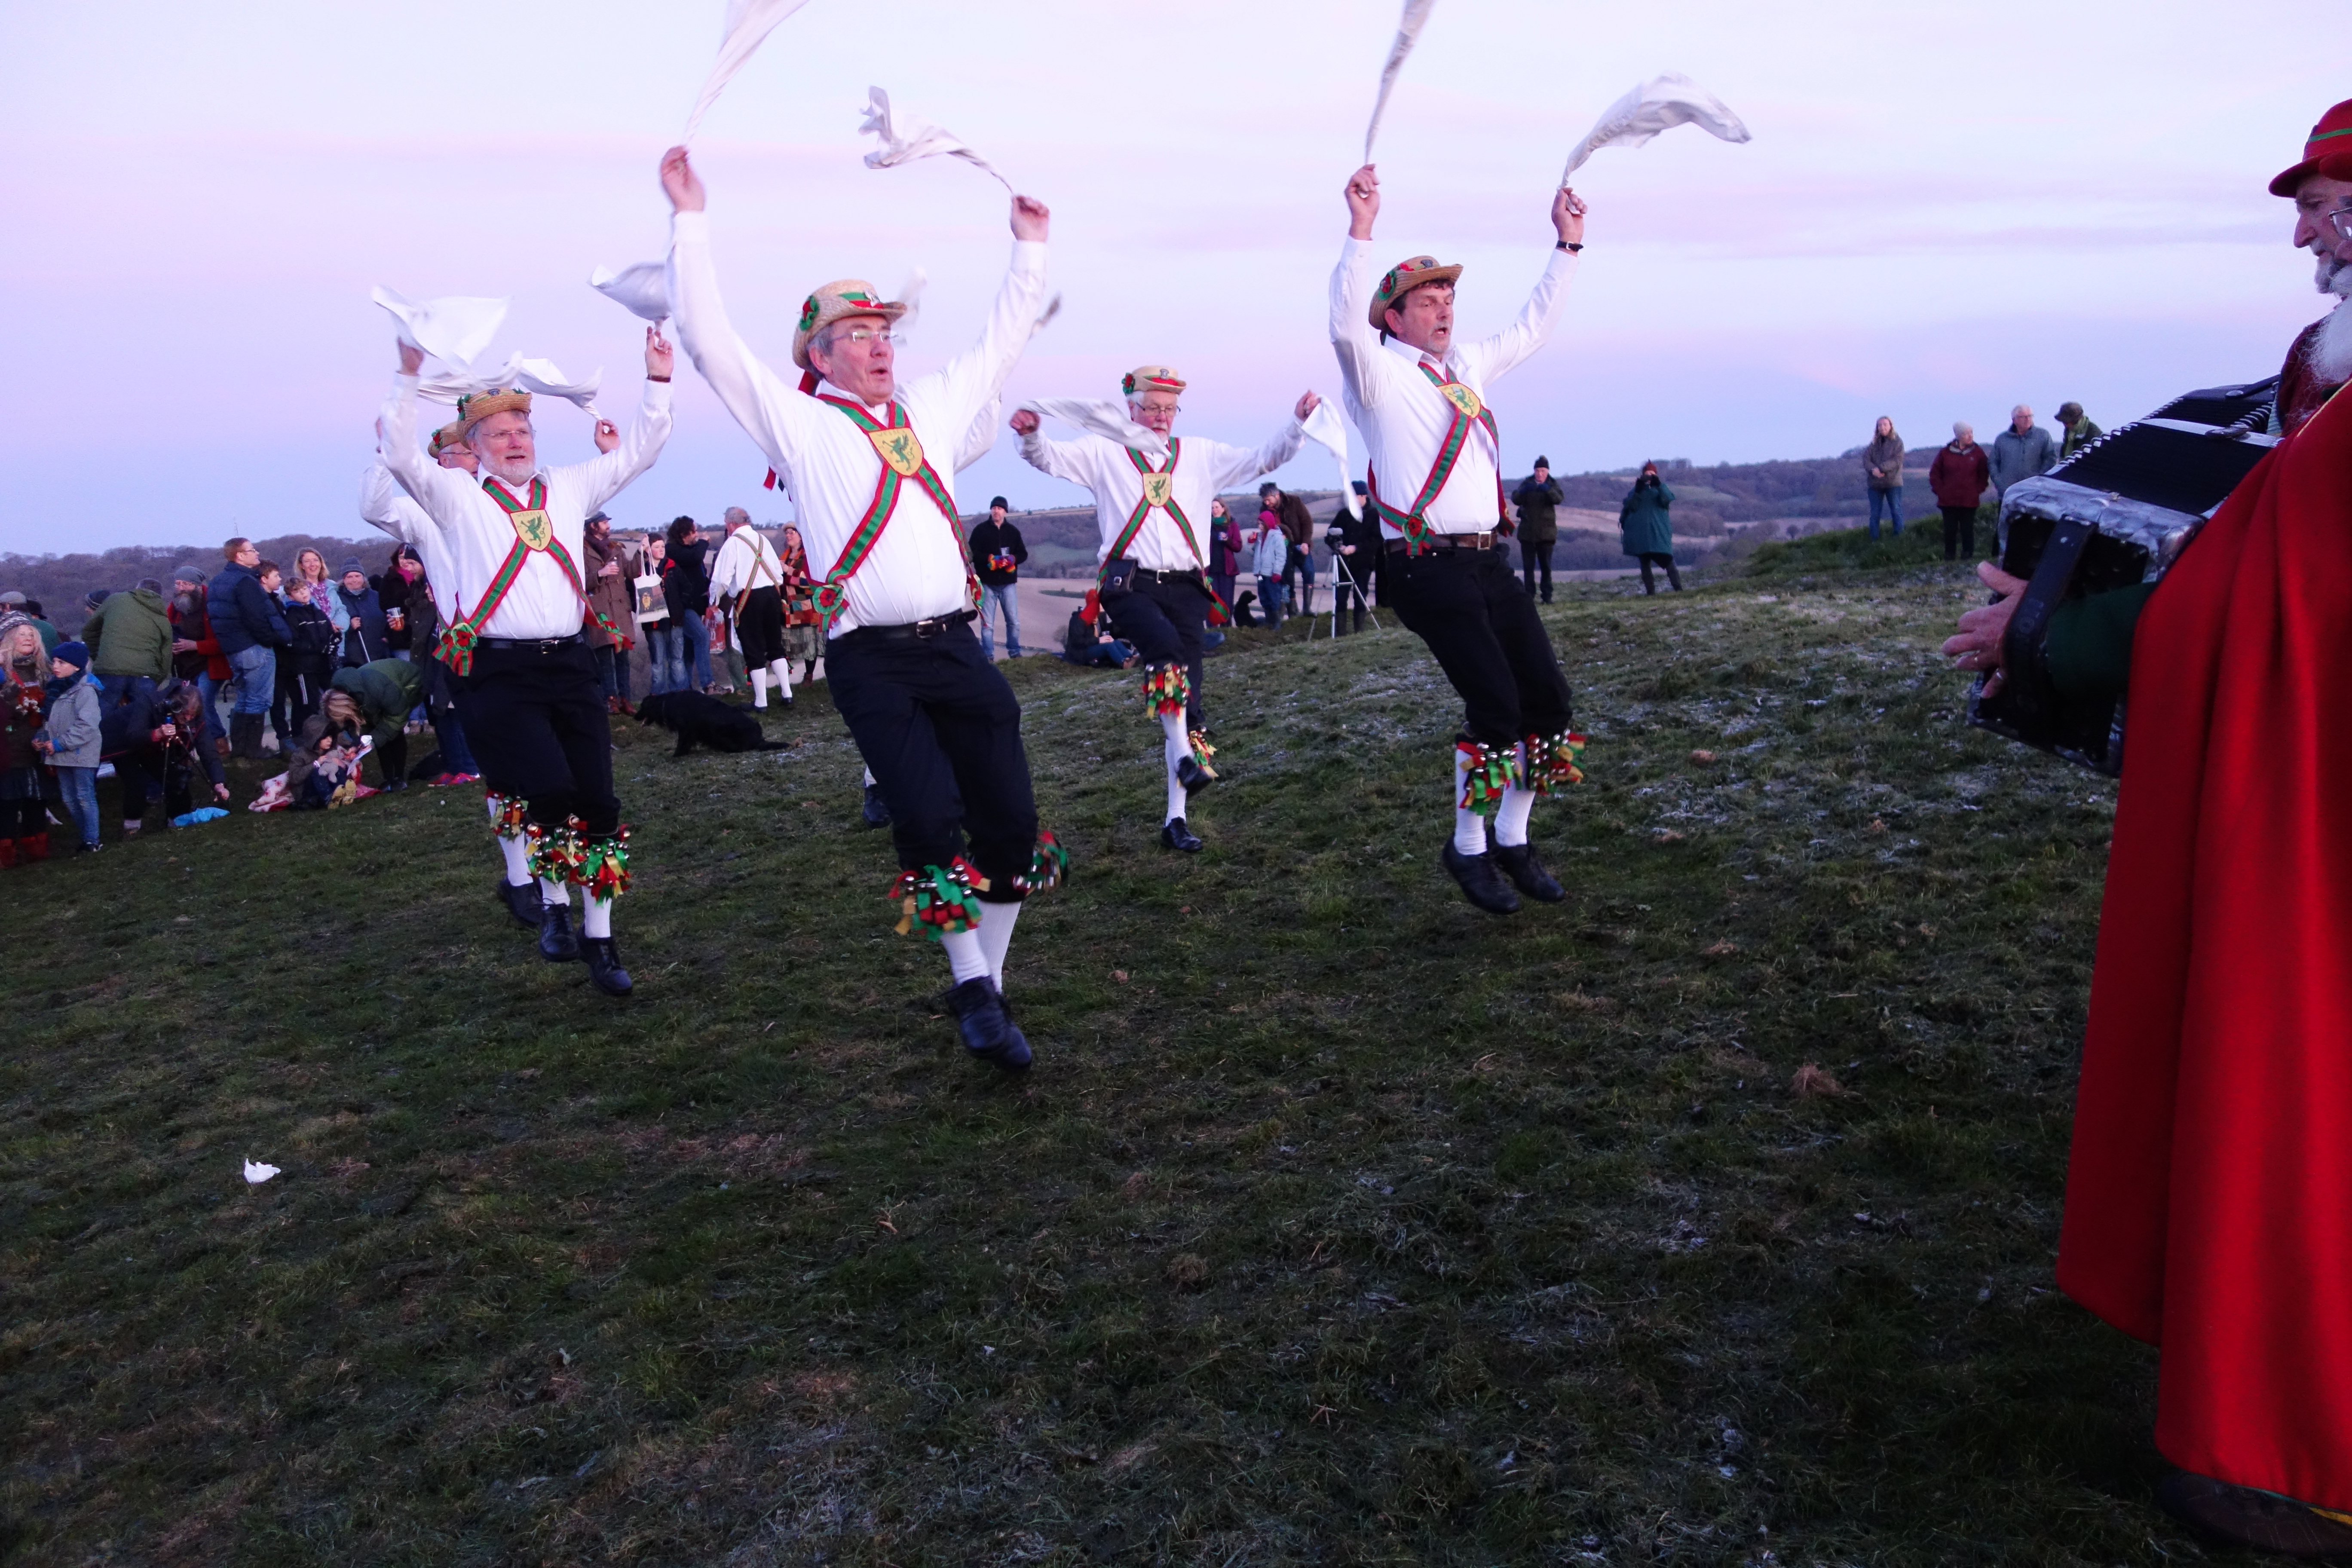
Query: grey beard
{"type": "Point", "coordinates": [2331, 350]}
{"type": "Point", "coordinates": [2330, 275]}
{"type": "Point", "coordinates": [515, 473]}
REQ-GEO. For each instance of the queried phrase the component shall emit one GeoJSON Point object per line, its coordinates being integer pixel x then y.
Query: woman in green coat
{"type": "Point", "coordinates": [1649, 533]}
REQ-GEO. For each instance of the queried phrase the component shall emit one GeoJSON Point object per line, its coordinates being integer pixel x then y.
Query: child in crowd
{"type": "Point", "coordinates": [70, 739]}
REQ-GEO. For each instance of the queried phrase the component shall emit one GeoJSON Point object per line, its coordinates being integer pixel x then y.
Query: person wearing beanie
{"type": "Point", "coordinates": [998, 554]}
{"type": "Point", "coordinates": [1538, 500]}
{"type": "Point", "coordinates": [933, 719]}
{"type": "Point", "coordinates": [69, 739]}
{"type": "Point", "coordinates": [24, 675]}
{"type": "Point", "coordinates": [1152, 561]}
{"type": "Point", "coordinates": [510, 543]}
{"type": "Point", "coordinates": [1435, 481]}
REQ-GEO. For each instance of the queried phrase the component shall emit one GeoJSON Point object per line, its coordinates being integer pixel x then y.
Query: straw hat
{"type": "Point", "coordinates": [1145, 378]}
{"type": "Point", "coordinates": [1403, 280]}
{"type": "Point", "coordinates": [474, 407]}
{"type": "Point", "coordinates": [448, 435]}
{"type": "Point", "coordinates": [836, 301]}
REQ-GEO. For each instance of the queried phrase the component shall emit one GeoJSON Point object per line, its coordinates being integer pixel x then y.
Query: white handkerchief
{"type": "Point", "coordinates": [1416, 16]}
{"type": "Point", "coordinates": [545, 378]}
{"type": "Point", "coordinates": [456, 329]}
{"type": "Point", "coordinates": [748, 25]}
{"type": "Point", "coordinates": [908, 138]}
{"type": "Point", "coordinates": [1103, 417]}
{"type": "Point", "coordinates": [454, 384]}
{"type": "Point", "coordinates": [642, 291]}
{"type": "Point", "coordinates": [1327, 429]}
{"type": "Point", "coordinates": [256, 1172]}
{"type": "Point", "coordinates": [911, 294]}
{"type": "Point", "coordinates": [1658, 104]}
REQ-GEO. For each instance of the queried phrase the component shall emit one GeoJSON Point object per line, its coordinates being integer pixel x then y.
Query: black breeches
{"type": "Point", "coordinates": [1484, 632]}
{"type": "Point", "coordinates": [759, 627]}
{"type": "Point", "coordinates": [941, 730]}
{"type": "Point", "coordinates": [1163, 620]}
{"type": "Point", "coordinates": [536, 720]}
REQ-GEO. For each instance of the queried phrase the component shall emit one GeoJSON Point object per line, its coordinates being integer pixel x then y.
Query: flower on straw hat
{"type": "Point", "coordinates": [453, 434]}
{"type": "Point", "coordinates": [836, 301]}
{"type": "Point", "coordinates": [1403, 278]}
{"type": "Point", "coordinates": [1145, 378]}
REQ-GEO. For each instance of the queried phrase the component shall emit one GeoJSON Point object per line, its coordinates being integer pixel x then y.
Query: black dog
{"type": "Point", "coordinates": [697, 719]}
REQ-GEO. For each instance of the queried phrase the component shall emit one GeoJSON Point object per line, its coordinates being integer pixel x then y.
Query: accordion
{"type": "Point", "coordinates": [2115, 513]}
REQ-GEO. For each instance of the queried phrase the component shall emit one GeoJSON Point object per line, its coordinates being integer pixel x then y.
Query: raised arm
{"type": "Point", "coordinates": [1352, 337]}
{"type": "Point", "coordinates": [601, 477]}
{"type": "Point", "coordinates": [1073, 461]}
{"type": "Point", "coordinates": [1233, 464]}
{"type": "Point", "coordinates": [1498, 355]}
{"type": "Point", "coordinates": [766, 408]}
{"type": "Point", "coordinates": [966, 383]}
{"type": "Point", "coordinates": [437, 489]}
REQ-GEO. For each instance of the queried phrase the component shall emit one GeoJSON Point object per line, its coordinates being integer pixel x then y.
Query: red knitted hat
{"type": "Point", "coordinates": [2328, 152]}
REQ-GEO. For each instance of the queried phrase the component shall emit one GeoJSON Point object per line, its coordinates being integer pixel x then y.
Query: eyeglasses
{"type": "Point", "coordinates": [2341, 221]}
{"type": "Point", "coordinates": [858, 337]}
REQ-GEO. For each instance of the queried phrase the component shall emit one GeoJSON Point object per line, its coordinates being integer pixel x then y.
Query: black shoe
{"type": "Point", "coordinates": [1528, 874]}
{"type": "Point", "coordinates": [604, 965]}
{"type": "Point", "coordinates": [1193, 776]}
{"type": "Point", "coordinates": [1481, 883]}
{"type": "Point", "coordinates": [556, 942]}
{"type": "Point", "coordinates": [988, 1030]}
{"type": "Point", "coordinates": [392, 786]}
{"type": "Point", "coordinates": [521, 900]}
{"type": "Point", "coordinates": [1176, 836]}
{"type": "Point", "coordinates": [878, 815]}
{"type": "Point", "coordinates": [2240, 1516]}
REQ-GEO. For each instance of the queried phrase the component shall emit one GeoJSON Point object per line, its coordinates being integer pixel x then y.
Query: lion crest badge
{"type": "Point", "coordinates": [1463, 398]}
{"type": "Point", "coordinates": [900, 449]}
{"type": "Point", "coordinates": [1157, 487]}
{"type": "Point", "coordinates": [533, 527]}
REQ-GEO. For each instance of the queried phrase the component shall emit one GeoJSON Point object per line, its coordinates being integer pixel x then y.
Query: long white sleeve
{"type": "Point", "coordinates": [1495, 357]}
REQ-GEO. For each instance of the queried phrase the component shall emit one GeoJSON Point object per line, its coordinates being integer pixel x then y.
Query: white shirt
{"type": "Point", "coordinates": [384, 504]}
{"type": "Point", "coordinates": [917, 569]}
{"type": "Point", "coordinates": [1203, 469]}
{"type": "Point", "coordinates": [1403, 414]}
{"type": "Point", "coordinates": [740, 563]}
{"type": "Point", "coordinates": [470, 534]}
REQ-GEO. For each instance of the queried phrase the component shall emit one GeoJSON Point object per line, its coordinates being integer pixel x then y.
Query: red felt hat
{"type": "Point", "coordinates": [2328, 152]}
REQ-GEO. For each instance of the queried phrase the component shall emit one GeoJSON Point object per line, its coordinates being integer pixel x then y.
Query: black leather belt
{"type": "Point", "coordinates": [535, 645]}
{"type": "Point", "coordinates": [1444, 541]}
{"type": "Point", "coordinates": [935, 626]}
{"type": "Point", "coordinates": [1190, 577]}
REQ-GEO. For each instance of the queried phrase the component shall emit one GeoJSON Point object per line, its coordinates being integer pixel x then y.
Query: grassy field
{"type": "Point", "coordinates": [1707, 1218]}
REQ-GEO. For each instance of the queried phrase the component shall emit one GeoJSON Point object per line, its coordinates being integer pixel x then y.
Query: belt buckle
{"type": "Point", "coordinates": [927, 629]}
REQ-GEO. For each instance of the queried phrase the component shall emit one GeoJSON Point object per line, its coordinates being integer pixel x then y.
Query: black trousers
{"type": "Point", "coordinates": [1535, 559]}
{"type": "Point", "coordinates": [941, 730]}
{"type": "Point", "coordinates": [1959, 533]}
{"type": "Point", "coordinates": [1659, 558]}
{"type": "Point", "coordinates": [536, 722]}
{"type": "Point", "coordinates": [1163, 620]}
{"type": "Point", "coordinates": [1482, 629]}
{"type": "Point", "coordinates": [759, 627]}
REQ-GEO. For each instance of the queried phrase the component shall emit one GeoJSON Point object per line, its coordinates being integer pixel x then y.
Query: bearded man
{"type": "Point", "coordinates": [1152, 575]}
{"type": "Point", "coordinates": [509, 550]}
{"type": "Point", "coordinates": [1436, 485]}
{"type": "Point", "coordinates": [936, 723]}
{"type": "Point", "coordinates": [2208, 1201]}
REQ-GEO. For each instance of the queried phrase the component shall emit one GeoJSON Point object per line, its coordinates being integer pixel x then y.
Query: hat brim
{"type": "Point", "coordinates": [888, 310]}
{"type": "Point", "coordinates": [1381, 307]}
{"type": "Point", "coordinates": [2335, 165]}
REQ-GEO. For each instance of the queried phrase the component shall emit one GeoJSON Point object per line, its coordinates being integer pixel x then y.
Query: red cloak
{"type": "Point", "coordinates": [2208, 1205]}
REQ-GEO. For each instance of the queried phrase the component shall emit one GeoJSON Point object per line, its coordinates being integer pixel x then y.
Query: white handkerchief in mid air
{"type": "Point", "coordinates": [453, 330]}
{"type": "Point", "coordinates": [1327, 429]}
{"type": "Point", "coordinates": [908, 138]}
{"type": "Point", "coordinates": [454, 384]}
{"type": "Point", "coordinates": [642, 290]}
{"type": "Point", "coordinates": [545, 378]}
{"type": "Point", "coordinates": [256, 1172]}
{"type": "Point", "coordinates": [1658, 104]}
{"type": "Point", "coordinates": [1416, 16]}
{"type": "Point", "coordinates": [1103, 417]}
{"type": "Point", "coordinates": [748, 25]}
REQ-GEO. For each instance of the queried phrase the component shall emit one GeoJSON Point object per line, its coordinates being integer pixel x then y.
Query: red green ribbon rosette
{"type": "Point", "coordinates": [939, 899]}
{"type": "Point", "coordinates": [555, 854]}
{"type": "Point", "coordinates": [1552, 762]}
{"type": "Point", "coordinates": [603, 869]}
{"type": "Point", "coordinates": [1487, 772]}
{"type": "Point", "coordinates": [507, 813]}
{"type": "Point", "coordinates": [1049, 866]}
{"type": "Point", "coordinates": [1166, 689]}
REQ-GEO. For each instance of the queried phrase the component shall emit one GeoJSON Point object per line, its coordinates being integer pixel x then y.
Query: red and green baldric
{"type": "Point", "coordinates": [902, 460]}
{"type": "Point", "coordinates": [534, 532]}
{"type": "Point", "coordinates": [1160, 491]}
{"type": "Point", "coordinates": [1468, 407]}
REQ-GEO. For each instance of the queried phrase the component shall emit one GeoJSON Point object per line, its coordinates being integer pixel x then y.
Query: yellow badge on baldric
{"type": "Point", "coordinates": [899, 449]}
{"type": "Point", "coordinates": [1155, 487]}
{"type": "Point", "coordinates": [533, 527]}
{"type": "Point", "coordinates": [1464, 399]}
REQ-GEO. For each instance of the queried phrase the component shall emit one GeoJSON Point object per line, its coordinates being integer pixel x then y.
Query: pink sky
{"type": "Point", "coordinates": [1942, 213]}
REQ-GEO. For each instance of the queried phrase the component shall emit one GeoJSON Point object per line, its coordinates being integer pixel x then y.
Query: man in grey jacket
{"type": "Point", "coordinates": [2021, 451]}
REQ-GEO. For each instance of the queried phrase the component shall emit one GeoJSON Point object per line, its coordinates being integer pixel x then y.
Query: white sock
{"type": "Point", "coordinates": [996, 935]}
{"type": "Point", "coordinates": [966, 955]}
{"type": "Point", "coordinates": [551, 892]}
{"type": "Point", "coordinates": [516, 851]}
{"type": "Point", "coordinates": [869, 778]}
{"type": "Point", "coordinates": [1511, 821]}
{"type": "Point", "coordinates": [1179, 746]}
{"type": "Point", "coordinates": [759, 689]}
{"type": "Point", "coordinates": [1469, 827]}
{"type": "Point", "coordinates": [490, 802]}
{"type": "Point", "coordinates": [595, 916]}
{"type": "Point", "coordinates": [782, 671]}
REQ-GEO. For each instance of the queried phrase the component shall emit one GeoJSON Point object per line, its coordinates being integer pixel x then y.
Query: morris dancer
{"type": "Point", "coordinates": [515, 607]}
{"type": "Point", "coordinates": [384, 505]}
{"type": "Point", "coordinates": [747, 576]}
{"type": "Point", "coordinates": [1436, 485]}
{"type": "Point", "coordinates": [1153, 572]}
{"type": "Point", "coordinates": [936, 723]}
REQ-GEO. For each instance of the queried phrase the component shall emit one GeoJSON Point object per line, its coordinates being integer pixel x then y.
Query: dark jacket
{"type": "Point", "coordinates": [1362, 530]}
{"type": "Point", "coordinates": [1884, 453]}
{"type": "Point", "coordinates": [131, 634]}
{"type": "Point", "coordinates": [1538, 507]}
{"type": "Point", "coordinates": [997, 553]}
{"type": "Point", "coordinates": [243, 615]}
{"type": "Point", "coordinates": [368, 638]}
{"type": "Point", "coordinates": [395, 592]}
{"type": "Point", "coordinates": [685, 579]}
{"type": "Point", "coordinates": [1298, 524]}
{"type": "Point", "coordinates": [190, 621]}
{"type": "Point", "coordinates": [1226, 546]}
{"type": "Point", "coordinates": [1959, 474]}
{"type": "Point", "coordinates": [1643, 519]}
{"type": "Point", "coordinates": [311, 643]}
{"type": "Point", "coordinates": [611, 600]}
{"type": "Point", "coordinates": [385, 690]}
